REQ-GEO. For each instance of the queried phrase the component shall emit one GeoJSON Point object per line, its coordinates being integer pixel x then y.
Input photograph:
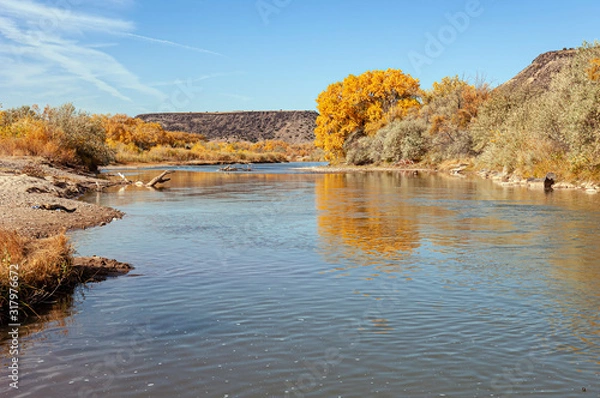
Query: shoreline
{"type": "Point", "coordinates": [157, 165]}
{"type": "Point", "coordinates": [38, 200]}
{"type": "Point", "coordinates": [38, 205]}
{"type": "Point", "coordinates": [460, 170]}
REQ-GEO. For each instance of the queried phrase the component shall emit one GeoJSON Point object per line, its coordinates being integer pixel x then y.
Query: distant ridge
{"type": "Point", "coordinates": [289, 126]}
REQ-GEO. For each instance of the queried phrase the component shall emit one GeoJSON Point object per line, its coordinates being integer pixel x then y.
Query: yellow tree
{"type": "Point", "coordinates": [449, 107]}
{"type": "Point", "coordinates": [364, 103]}
{"type": "Point", "coordinates": [594, 69]}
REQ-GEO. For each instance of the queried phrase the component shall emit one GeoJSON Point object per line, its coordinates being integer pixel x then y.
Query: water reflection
{"type": "Point", "coordinates": [474, 235]}
{"type": "Point", "coordinates": [363, 220]}
{"type": "Point", "coordinates": [54, 317]}
{"type": "Point", "coordinates": [421, 286]}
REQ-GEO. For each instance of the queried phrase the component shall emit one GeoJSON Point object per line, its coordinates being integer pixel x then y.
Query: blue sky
{"type": "Point", "coordinates": [138, 56]}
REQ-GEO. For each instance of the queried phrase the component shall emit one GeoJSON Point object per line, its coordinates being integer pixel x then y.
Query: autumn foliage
{"type": "Point", "coordinates": [449, 108]}
{"type": "Point", "coordinates": [61, 134]}
{"type": "Point", "coordinates": [69, 137]}
{"type": "Point", "coordinates": [594, 69]}
{"type": "Point", "coordinates": [364, 104]}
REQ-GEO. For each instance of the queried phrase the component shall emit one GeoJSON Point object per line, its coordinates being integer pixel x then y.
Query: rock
{"type": "Point", "coordinates": [564, 185]}
{"type": "Point", "coordinates": [535, 183]}
{"type": "Point", "coordinates": [549, 181]}
{"type": "Point", "coordinates": [94, 269]}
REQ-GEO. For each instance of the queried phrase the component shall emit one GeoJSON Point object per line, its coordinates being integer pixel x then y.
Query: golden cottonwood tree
{"type": "Point", "coordinates": [365, 103]}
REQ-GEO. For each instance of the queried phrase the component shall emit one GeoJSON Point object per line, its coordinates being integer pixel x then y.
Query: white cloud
{"type": "Point", "coordinates": [43, 49]}
{"type": "Point", "coordinates": [62, 17]}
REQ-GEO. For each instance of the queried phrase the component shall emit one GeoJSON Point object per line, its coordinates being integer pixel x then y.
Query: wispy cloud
{"type": "Point", "coordinates": [172, 44]}
{"type": "Point", "coordinates": [43, 47]}
{"type": "Point", "coordinates": [62, 17]}
{"type": "Point", "coordinates": [238, 97]}
{"type": "Point", "coordinates": [46, 37]}
{"type": "Point", "coordinates": [195, 80]}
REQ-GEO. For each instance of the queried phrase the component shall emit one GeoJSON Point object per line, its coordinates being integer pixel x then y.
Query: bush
{"type": "Point", "coordinates": [44, 268]}
{"type": "Point", "coordinates": [404, 140]}
{"type": "Point", "coordinates": [62, 135]}
{"type": "Point", "coordinates": [358, 151]}
{"type": "Point", "coordinates": [83, 134]}
{"type": "Point", "coordinates": [449, 109]}
{"type": "Point", "coordinates": [535, 131]}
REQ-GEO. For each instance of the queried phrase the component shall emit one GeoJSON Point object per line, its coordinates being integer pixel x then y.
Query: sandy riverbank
{"type": "Point", "coordinates": [29, 184]}
{"type": "Point", "coordinates": [38, 201]}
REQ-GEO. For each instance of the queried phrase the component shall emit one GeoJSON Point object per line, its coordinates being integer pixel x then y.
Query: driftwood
{"type": "Point", "coordinates": [235, 168]}
{"type": "Point", "coordinates": [125, 180]}
{"type": "Point", "coordinates": [53, 207]}
{"type": "Point", "coordinates": [159, 179]}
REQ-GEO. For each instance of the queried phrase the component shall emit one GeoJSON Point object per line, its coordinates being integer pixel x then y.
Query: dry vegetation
{"type": "Point", "coordinates": [545, 119]}
{"type": "Point", "coordinates": [44, 268]}
{"type": "Point", "coordinates": [531, 131]}
{"type": "Point", "coordinates": [136, 141]}
{"type": "Point", "coordinates": [69, 137]}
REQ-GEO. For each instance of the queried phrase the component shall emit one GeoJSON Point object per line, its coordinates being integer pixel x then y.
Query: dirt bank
{"type": "Point", "coordinates": [38, 200]}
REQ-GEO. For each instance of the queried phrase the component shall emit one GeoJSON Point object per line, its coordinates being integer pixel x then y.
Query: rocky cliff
{"type": "Point", "coordinates": [289, 126]}
{"type": "Point", "coordinates": [538, 75]}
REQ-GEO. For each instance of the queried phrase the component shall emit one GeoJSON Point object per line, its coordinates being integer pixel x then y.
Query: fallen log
{"type": "Point", "coordinates": [160, 179]}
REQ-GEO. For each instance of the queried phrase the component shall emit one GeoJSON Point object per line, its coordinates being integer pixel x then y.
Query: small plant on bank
{"type": "Point", "coordinates": [44, 268]}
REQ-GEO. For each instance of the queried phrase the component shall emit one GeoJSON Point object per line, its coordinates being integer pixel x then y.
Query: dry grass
{"type": "Point", "coordinates": [217, 152]}
{"type": "Point", "coordinates": [44, 268]}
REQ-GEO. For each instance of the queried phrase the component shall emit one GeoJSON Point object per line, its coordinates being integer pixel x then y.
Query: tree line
{"type": "Point", "coordinates": [384, 116]}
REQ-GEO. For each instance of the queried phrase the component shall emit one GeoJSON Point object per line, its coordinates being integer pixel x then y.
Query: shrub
{"type": "Point", "coordinates": [449, 108]}
{"type": "Point", "coordinates": [62, 135]}
{"type": "Point", "coordinates": [82, 133]}
{"type": "Point", "coordinates": [404, 140]}
{"type": "Point", "coordinates": [358, 151]}
{"type": "Point", "coordinates": [559, 127]}
{"type": "Point", "coordinates": [44, 267]}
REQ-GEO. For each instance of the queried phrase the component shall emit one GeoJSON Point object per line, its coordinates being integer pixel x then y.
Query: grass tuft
{"type": "Point", "coordinates": [44, 268]}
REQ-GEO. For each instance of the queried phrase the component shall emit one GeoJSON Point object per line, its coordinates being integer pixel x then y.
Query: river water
{"type": "Point", "coordinates": [281, 283]}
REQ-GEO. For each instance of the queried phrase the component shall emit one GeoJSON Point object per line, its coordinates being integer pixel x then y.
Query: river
{"type": "Point", "coordinates": [283, 283]}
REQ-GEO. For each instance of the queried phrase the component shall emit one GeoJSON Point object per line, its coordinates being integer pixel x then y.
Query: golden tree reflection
{"type": "Point", "coordinates": [362, 219]}
{"type": "Point", "coordinates": [575, 267]}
